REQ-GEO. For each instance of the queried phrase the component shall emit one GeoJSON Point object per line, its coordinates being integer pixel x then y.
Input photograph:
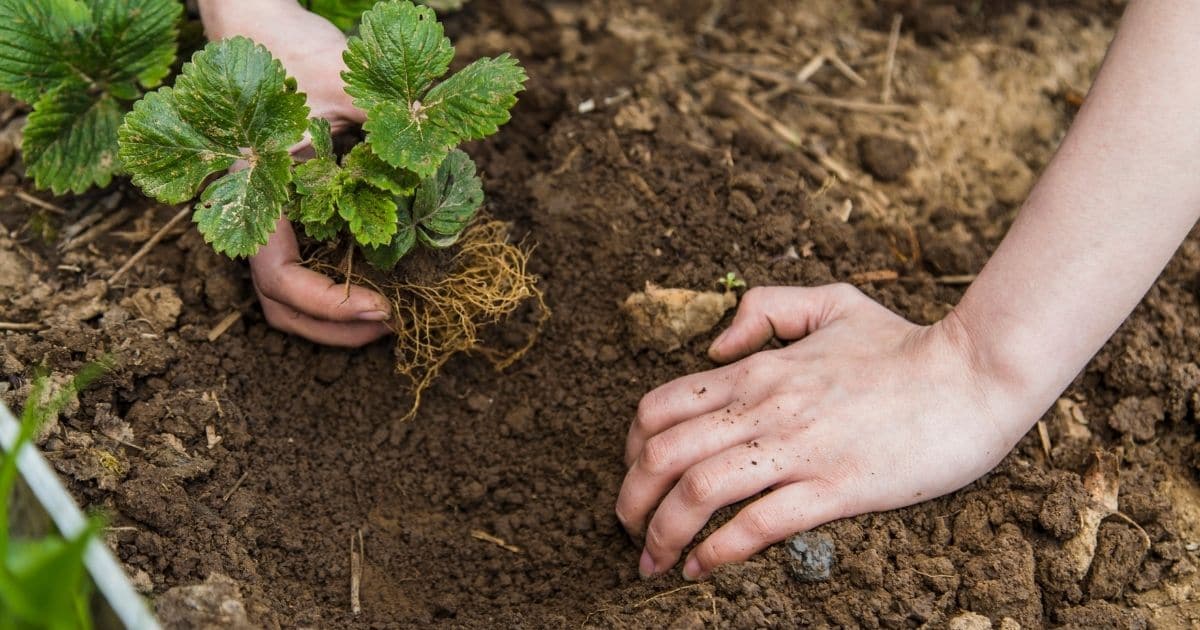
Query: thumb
{"type": "Point", "coordinates": [786, 313]}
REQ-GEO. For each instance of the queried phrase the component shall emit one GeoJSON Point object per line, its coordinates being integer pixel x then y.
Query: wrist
{"type": "Point", "coordinates": [1015, 389]}
{"type": "Point", "coordinates": [228, 18]}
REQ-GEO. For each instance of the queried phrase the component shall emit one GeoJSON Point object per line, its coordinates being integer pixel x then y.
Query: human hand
{"type": "Point", "coordinates": [295, 299]}
{"type": "Point", "coordinates": [866, 412]}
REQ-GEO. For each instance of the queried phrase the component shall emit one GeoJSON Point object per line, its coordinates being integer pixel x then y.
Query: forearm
{"type": "Point", "coordinates": [1111, 208]}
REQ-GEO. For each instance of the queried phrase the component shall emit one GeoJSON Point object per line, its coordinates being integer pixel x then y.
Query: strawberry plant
{"type": "Point", "coordinates": [43, 583]}
{"type": "Point", "coordinates": [80, 63]}
{"type": "Point", "coordinates": [406, 184]}
{"type": "Point", "coordinates": [345, 13]}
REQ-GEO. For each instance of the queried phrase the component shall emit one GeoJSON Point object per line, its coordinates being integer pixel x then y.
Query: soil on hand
{"type": "Point", "coordinates": [657, 143]}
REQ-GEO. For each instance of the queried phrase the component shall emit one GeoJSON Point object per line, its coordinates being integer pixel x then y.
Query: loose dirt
{"type": "Point", "coordinates": [663, 142]}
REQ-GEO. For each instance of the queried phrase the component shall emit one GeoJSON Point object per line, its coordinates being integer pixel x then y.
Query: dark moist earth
{"type": "Point", "coordinates": [258, 457]}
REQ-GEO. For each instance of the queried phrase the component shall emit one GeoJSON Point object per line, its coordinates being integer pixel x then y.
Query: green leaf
{"type": "Point", "coordinates": [445, 203]}
{"type": "Point", "coordinates": [73, 59]}
{"type": "Point", "coordinates": [135, 39]}
{"type": "Point", "coordinates": [322, 138]}
{"type": "Point", "coordinates": [399, 50]}
{"type": "Point", "coordinates": [71, 140]}
{"type": "Point", "coordinates": [371, 214]}
{"type": "Point", "coordinates": [39, 41]}
{"type": "Point", "coordinates": [167, 157]}
{"type": "Point", "coordinates": [344, 14]}
{"type": "Point", "coordinates": [476, 100]}
{"type": "Point", "coordinates": [392, 65]}
{"type": "Point", "coordinates": [362, 164]}
{"type": "Point", "coordinates": [326, 230]}
{"type": "Point", "coordinates": [403, 241]}
{"type": "Point", "coordinates": [237, 213]}
{"type": "Point", "coordinates": [319, 184]}
{"type": "Point", "coordinates": [232, 101]}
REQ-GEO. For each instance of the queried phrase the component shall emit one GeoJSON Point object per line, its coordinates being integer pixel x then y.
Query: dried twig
{"type": "Point", "coordinates": [223, 325]}
{"type": "Point", "coordinates": [813, 66]}
{"type": "Point", "coordinates": [889, 65]}
{"type": "Point", "coordinates": [844, 68]}
{"type": "Point", "coordinates": [878, 275]}
{"type": "Point", "coordinates": [1044, 436]}
{"type": "Point", "coordinates": [356, 566]}
{"type": "Point", "coordinates": [237, 484]}
{"type": "Point", "coordinates": [967, 278]}
{"type": "Point", "coordinates": [21, 326]}
{"type": "Point", "coordinates": [791, 136]}
{"type": "Point", "coordinates": [499, 542]}
{"type": "Point", "coordinates": [154, 240]}
{"type": "Point", "coordinates": [95, 213]}
{"type": "Point", "coordinates": [854, 106]}
{"type": "Point", "coordinates": [100, 229]}
{"type": "Point", "coordinates": [34, 201]}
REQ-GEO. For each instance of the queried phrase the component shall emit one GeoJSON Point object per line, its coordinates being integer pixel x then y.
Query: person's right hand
{"type": "Point", "coordinates": [296, 299]}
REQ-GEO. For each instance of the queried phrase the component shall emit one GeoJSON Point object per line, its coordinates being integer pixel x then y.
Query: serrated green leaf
{"type": "Point", "coordinates": [236, 93]}
{"type": "Point", "coordinates": [445, 203]}
{"type": "Point", "coordinates": [403, 241]}
{"type": "Point", "coordinates": [477, 99]}
{"type": "Point", "coordinates": [392, 64]}
{"type": "Point", "coordinates": [73, 58]}
{"type": "Point", "coordinates": [38, 41]}
{"type": "Point", "coordinates": [168, 158]}
{"type": "Point", "coordinates": [319, 184]}
{"type": "Point", "coordinates": [135, 39]}
{"type": "Point", "coordinates": [345, 14]}
{"type": "Point", "coordinates": [232, 101]}
{"type": "Point", "coordinates": [409, 142]}
{"type": "Point", "coordinates": [399, 50]}
{"type": "Point", "coordinates": [326, 230]}
{"type": "Point", "coordinates": [322, 138]}
{"type": "Point", "coordinates": [362, 164]}
{"type": "Point", "coordinates": [370, 213]}
{"type": "Point", "coordinates": [237, 213]}
{"type": "Point", "coordinates": [71, 140]}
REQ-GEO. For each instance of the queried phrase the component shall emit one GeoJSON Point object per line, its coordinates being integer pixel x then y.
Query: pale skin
{"type": "Point", "coordinates": [863, 411]}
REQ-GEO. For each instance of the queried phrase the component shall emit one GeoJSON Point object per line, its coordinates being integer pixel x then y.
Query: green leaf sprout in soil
{"type": "Point", "coordinates": [406, 185]}
{"type": "Point", "coordinates": [80, 63]}
{"type": "Point", "coordinates": [43, 583]}
{"type": "Point", "coordinates": [731, 281]}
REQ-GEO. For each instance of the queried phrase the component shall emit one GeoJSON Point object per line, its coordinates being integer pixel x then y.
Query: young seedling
{"type": "Point", "coordinates": [43, 583]}
{"type": "Point", "coordinates": [80, 63]}
{"type": "Point", "coordinates": [407, 184]}
{"type": "Point", "coordinates": [731, 281]}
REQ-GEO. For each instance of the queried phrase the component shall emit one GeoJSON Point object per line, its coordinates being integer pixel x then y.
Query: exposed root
{"type": "Point", "coordinates": [437, 315]}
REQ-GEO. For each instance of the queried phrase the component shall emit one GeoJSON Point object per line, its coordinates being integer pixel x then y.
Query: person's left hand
{"type": "Point", "coordinates": [866, 412]}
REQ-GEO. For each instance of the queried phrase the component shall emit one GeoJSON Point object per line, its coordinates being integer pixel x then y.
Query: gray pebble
{"type": "Point", "coordinates": [812, 556]}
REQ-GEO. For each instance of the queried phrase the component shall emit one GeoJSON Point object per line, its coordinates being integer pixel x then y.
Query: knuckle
{"type": "Point", "coordinates": [696, 487]}
{"type": "Point", "coordinates": [754, 298]}
{"type": "Point", "coordinates": [646, 412]}
{"type": "Point", "coordinates": [657, 455]}
{"type": "Point", "coordinates": [655, 540]}
{"type": "Point", "coordinates": [761, 523]}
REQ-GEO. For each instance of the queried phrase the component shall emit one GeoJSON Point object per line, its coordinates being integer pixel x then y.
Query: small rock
{"type": "Point", "coordinates": [665, 319]}
{"type": "Point", "coordinates": [478, 402]}
{"type": "Point", "coordinates": [750, 183]}
{"type": "Point", "coordinates": [608, 354]}
{"type": "Point", "coordinates": [160, 306]}
{"type": "Point", "coordinates": [14, 270]}
{"type": "Point", "coordinates": [970, 621]}
{"type": "Point", "coordinates": [217, 603]}
{"type": "Point", "coordinates": [1137, 417]}
{"type": "Point", "coordinates": [884, 158]}
{"type": "Point", "coordinates": [812, 555]}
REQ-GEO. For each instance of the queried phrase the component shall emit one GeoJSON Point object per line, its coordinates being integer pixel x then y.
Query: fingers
{"type": "Point", "coordinates": [347, 335]}
{"type": "Point", "coordinates": [733, 475]}
{"type": "Point", "coordinates": [786, 313]}
{"type": "Point", "coordinates": [679, 400]}
{"type": "Point", "coordinates": [279, 276]}
{"type": "Point", "coordinates": [793, 508]}
{"type": "Point", "coordinates": [667, 455]}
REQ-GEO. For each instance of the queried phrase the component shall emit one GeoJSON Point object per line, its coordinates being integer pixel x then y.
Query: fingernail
{"type": "Point", "coordinates": [646, 565]}
{"type": "Point", "coordinates": [374, 316]}
{"type": "Point", "coordinates": [691, 570]}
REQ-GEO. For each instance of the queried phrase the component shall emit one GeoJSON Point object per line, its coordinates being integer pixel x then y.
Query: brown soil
{"type": "Point", "coordinates": [257, 456]}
